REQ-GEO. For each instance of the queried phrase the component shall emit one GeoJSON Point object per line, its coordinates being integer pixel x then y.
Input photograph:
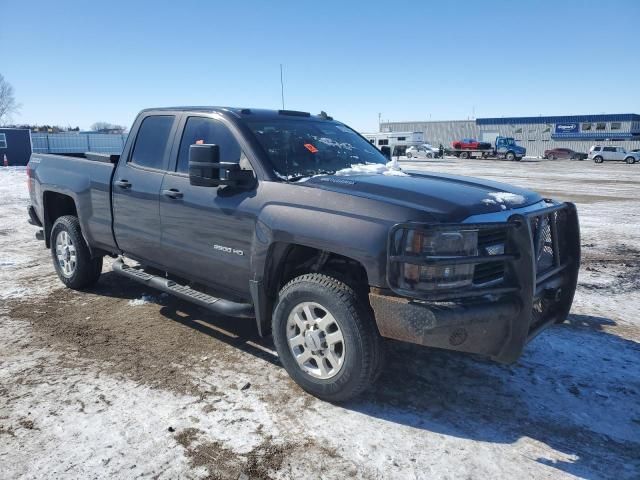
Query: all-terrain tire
{"type": "Point", "coordinates": [86, 270]}
{"type": "Point", "coordinates": [363, 349]}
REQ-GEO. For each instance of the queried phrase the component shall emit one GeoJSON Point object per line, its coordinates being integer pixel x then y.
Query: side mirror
{"type": "Point", "coordinates": [206, 170]}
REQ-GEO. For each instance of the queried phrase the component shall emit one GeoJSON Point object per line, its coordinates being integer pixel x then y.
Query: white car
{"type": "Point", "coordinates": [600, 153]}
{"type": "Point", "coordinates": [422, 151]}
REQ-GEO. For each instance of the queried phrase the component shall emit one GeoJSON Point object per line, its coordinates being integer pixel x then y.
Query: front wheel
{"type": "Point", "coordinates": [408, 154]}
{"type": "Point", "coordinates": [511, 156]}
{"type": "Point", "coordinates": [598, 159]}
{"type": "Point", "coordinates": [630, 160]}
{"type": "Point", "coordinates": [326, 337]}
{"type": "Point", "coordinates": [71, 257]}
{"type": "Point", "coordinates": [429, 155]}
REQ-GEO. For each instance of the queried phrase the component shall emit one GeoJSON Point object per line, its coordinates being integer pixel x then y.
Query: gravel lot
{"type": "Point", "coordinates": [121, 381]}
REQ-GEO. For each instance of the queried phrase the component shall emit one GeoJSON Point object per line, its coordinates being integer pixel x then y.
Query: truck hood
{"type": "Point", "coordinates": [519, 149]}
{"type": "Point", "coordinates": [449, 197]}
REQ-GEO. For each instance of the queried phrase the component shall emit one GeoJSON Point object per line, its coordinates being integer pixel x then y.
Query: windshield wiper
{"type": "Point", "coordinates": [295, 178]}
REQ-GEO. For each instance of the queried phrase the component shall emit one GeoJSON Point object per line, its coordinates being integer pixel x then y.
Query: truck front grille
{"type": "Point", "coordinates": [542, 228]}
{"type": "Point", "coordinates": [488, 241]}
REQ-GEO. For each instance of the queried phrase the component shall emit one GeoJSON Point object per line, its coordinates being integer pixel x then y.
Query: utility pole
{"type": "Point", "coordinates": [281, 86]}
{"type": "Point", "coordinates": [379, 122]}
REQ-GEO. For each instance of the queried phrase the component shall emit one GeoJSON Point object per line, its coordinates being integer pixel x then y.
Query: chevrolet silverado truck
{"type": "Point", "coordinates": [297, 221]}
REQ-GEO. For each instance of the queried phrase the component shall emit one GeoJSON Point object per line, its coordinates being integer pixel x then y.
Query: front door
{"type": "Point", "coordinates": [207, 231]}
{"type": "Point", "coordinates": [137, 183]}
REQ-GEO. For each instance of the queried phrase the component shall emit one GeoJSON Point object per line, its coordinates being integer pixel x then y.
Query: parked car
{"type": "Point", "coordinates": [556, 153]}
{"type": "Point", "coordinates": [423, 151]}
{"type": "Point", "coordinates": [299, 222]}
{"type": "Point", "coordinates": [600, 153]}
{"type": "Point", "coordinates": [471, 144]}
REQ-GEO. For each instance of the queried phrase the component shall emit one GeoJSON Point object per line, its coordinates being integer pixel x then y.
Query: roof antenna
{"type": "Point", "coordinates": [281, 87]}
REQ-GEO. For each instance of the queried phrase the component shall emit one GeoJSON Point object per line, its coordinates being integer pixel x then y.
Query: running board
{"type": "Point", "coordinates": [218, 305]}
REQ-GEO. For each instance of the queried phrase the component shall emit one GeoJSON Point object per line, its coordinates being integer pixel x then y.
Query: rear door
{"type": "Point", "coordinates": [136, 188]}
{"type": "Point", "coordinates": [206, 234]}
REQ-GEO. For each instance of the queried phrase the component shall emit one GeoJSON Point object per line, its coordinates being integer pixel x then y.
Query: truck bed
{"type": "Point", "coordinates": [86, 179]}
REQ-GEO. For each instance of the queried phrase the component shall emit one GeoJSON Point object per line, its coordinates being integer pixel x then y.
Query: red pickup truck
{"type": "Point", "coordinates": [471, 144]}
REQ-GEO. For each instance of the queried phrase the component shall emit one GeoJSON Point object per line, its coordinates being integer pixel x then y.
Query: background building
{"type": "Point", "coordinates": [536, 134]}
{"type": "Point", "coordinates": [18, 143]}
{"type": "Point", "coordinates": [15, 143]}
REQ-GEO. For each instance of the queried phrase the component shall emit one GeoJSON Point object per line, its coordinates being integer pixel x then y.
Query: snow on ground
{"type": "Point", "coordinates": [121, 382]}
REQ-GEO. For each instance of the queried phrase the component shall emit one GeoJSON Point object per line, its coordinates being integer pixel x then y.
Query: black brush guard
{"type": "Point", "coordinates": [536, 287]}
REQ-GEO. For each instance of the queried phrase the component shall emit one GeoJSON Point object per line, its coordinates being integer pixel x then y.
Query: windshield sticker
{"type": "Point", "coordinates": [311, 148]}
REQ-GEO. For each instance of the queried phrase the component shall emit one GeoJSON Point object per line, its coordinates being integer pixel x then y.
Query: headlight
{"type": "Point", "coordinates": [441, 246]}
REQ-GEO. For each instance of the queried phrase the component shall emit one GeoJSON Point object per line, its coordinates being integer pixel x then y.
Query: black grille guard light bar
{"type": "Point", "coordinates": [519, 248]}
{"type": "Point", "coordinates": [522, 284]}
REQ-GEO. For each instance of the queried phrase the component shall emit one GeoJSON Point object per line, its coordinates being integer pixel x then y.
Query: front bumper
{"type": "Point", "coordinates": [540, 272]}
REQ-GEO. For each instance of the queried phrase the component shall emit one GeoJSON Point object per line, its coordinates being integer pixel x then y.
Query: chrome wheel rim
{"type": "Point", "coordinates": [66, 254]}
{"type": "Point", "coordinates": [315, 340]}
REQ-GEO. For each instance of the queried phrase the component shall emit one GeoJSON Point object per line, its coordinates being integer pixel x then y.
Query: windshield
{"type": "Point", "coordinates": [302, 148]}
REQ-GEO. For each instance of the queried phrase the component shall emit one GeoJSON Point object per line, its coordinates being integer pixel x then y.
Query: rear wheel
{"type": "Point", "coordinates": [551, 157]}
{"type": "Point", "coordinates": [429, 155]}
{"type": "Point", "coordinates": [409, 155]}
{"type": "Point", "coordinates": [326, 337]}
{"type": "Point", "coordinates": [464, 155]}
{"type": "Point", "coordinates": [630, 160]}
{"type": "Point", "coordinates": [71, 257]}
{"type": "Point", "coordinates": [598, 159]}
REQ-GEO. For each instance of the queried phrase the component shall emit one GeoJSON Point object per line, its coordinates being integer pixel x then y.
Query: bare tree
{"type": "Point", "coordinates": [8, 104]}
{"type": "Point", "coordinates": [106, 127]}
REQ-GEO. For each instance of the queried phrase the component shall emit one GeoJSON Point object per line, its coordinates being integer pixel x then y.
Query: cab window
{"type": "Point", "coordinates": [151, 141]}
{"type": "Point", "coordinates": [203, 130]}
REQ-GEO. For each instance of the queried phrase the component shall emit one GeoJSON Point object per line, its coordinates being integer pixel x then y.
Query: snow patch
{"type": "Point", "coordinates": [391, 168]}
{"type": "Point", "coordinates": [507, 197]}
{"type": "Point", "coordinates": [503, 199]}
{"type": "Point", "coordinates": [143, 300]}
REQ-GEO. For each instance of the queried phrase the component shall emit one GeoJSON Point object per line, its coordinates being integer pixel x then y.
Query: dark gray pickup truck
{"type": "Point", "coordinates": [297, 221]}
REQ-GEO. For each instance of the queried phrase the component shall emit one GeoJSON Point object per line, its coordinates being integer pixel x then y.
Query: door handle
{"type": "Point", "coordinates": [172, 193]}
{"type": "Point", "coordinates": [123, 184]}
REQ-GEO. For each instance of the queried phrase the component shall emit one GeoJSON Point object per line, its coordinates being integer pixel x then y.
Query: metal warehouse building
{"type": "Point", "coordinates": [536, 134]}
{"type": "Point", "coordinates": [17, 144]}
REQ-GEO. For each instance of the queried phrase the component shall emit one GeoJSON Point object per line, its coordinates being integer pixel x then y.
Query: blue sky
{"type": "Point", "coordinates": [74, 63]}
